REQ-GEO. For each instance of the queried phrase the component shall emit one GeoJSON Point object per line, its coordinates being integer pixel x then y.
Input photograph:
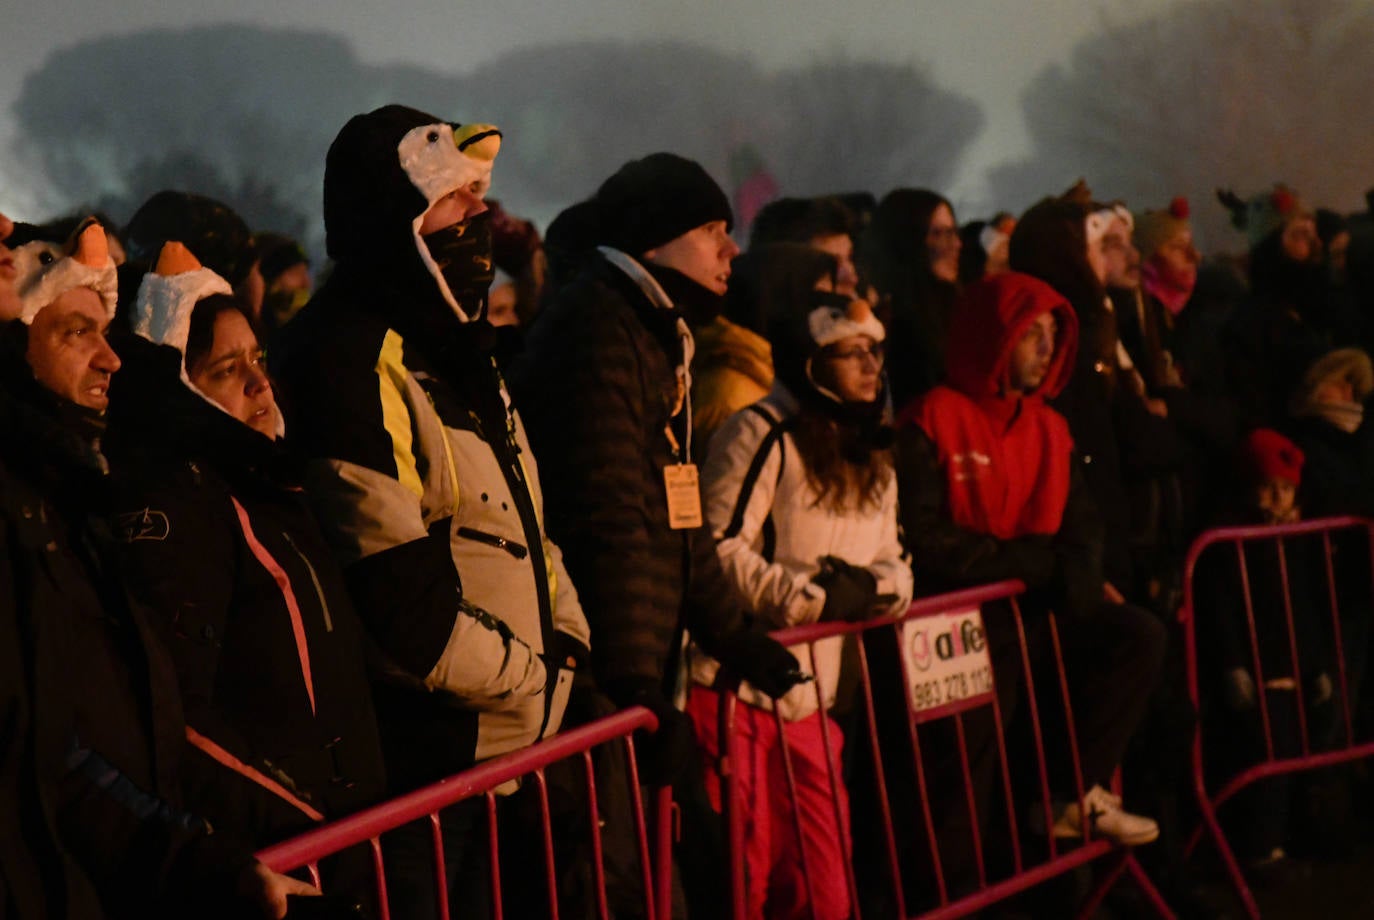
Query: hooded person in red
{"type": "Point", "coordinates": [991, 489]}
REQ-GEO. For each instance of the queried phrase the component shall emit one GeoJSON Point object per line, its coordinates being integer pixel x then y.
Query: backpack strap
{"type": "Point", "coordinates": [777, 428]}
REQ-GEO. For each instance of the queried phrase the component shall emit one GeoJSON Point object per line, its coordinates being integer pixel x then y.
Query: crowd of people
{"type": "Point", "coordinates": [274, 552]}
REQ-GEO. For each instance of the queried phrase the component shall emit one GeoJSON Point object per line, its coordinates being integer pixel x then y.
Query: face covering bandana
{"type": "Point", "coordinates": [463, 253]}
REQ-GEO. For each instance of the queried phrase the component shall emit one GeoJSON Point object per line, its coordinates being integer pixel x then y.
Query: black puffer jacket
{"type": "Point", "coordinates": [597, 388]}
{"type": "Point", "coordinates": [220, 544]}
{"type": "Point", "coordinates": [98, 762]}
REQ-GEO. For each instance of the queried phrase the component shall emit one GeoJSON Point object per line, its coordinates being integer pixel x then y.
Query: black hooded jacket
{"type": "Point", "coordinates": [92, 735]}
{"type": "Point", "coordinates": [219, 542]}
{"type": "Point", "coordinates": [423, 480]}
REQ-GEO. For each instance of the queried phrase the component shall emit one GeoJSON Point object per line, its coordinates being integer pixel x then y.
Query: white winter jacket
{"type": "Point", "coordinates": [742, 508]}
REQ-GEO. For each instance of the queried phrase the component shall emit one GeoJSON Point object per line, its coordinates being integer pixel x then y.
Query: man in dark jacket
{"type": "Point", "coordinates": [604, 385]}
{"type": "Point", "coordinates": [991, 490]}
{"type": "Point", "coordinates": [105, 734]}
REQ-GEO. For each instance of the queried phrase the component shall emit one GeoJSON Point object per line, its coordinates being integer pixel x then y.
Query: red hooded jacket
{"type": "Point", "coordinates": [1005, 455]}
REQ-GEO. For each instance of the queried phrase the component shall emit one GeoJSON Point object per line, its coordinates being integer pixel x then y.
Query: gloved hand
{"type": "Point", "coordinates": [754, 657]}
{"type": "Point", "coordinates": [665, 757]}
{"type": "Point", "coordinates": [851, 592]}
{"type": "Point", "coordinates": [565, 653]}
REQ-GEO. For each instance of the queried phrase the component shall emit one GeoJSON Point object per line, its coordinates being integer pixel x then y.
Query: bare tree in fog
{"type": "Point", "coordinates": [1238, 93]}
{"type": "Point", "coordinates": [239, 113]}
{"type": "Point", "coordinates": [577, 111]}
{"type": "Point", "coordinates": [574, 112]}
{"type": "Point", "coordinates": [858, 125]}
{"type": "Point", "coordinates": [246, 115]}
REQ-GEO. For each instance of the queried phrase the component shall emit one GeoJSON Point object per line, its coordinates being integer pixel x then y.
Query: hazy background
{"type": "Point", "coordinates": [993, 102]}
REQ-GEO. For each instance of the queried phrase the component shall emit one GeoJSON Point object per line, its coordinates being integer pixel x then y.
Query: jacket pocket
{"type": "Point", "coordinates": [558, 706]}
{"type": "Point", "coordinates": [517, 550]}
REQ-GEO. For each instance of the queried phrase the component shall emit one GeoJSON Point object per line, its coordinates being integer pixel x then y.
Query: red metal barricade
{"type": "Point", "coordinates": [529, 765]}
{"type": "Point", "coordinates": [1026, 869]}
{"type": "Point", "coordinates": [1340, 749]}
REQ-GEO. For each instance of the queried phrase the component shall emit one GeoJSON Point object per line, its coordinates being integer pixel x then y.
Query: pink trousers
{"type": "Point", "coordinates": [779, 885]}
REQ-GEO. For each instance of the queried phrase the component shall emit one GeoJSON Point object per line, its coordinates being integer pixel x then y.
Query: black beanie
{"type": "Point", "coordinates": [217, 236]}
{"type": "Point", "coordinates": [650, 201]}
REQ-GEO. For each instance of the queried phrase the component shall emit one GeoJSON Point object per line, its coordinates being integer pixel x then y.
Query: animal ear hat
{"type": "Point", "coordinates": [439, 159]}
{"type": "Point", "coordinates": [168, 296]}
{"type": "Point", "coordinates": [46, 270]}
{"type": "Point", "coordinates": [830, 324]}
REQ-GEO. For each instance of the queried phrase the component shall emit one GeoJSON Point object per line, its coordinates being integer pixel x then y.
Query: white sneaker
{"type": "Point", "coordinates": [1108, 819]}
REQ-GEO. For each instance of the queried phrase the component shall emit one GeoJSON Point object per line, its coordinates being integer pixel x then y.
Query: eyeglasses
{"type": "Point", "coordinates": [857, 355]}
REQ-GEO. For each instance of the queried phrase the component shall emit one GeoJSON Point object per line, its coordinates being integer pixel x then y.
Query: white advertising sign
{"type": "Point", "coordinates": [946, 658]}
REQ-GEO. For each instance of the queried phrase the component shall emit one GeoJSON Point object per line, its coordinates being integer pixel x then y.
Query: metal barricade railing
{"type": "Point", "coordinates": [1342, 748]}
{"type": "Point", "coordinates": [367, 827]}
{"type": "Point", "coordinates": [960, 695]}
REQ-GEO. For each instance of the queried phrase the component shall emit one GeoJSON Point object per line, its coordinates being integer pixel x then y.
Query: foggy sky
{"type": "Point", "coordinates": [986, 49]}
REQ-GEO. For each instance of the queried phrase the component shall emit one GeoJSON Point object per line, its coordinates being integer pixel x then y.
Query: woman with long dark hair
{"type": "Point", "coordinates": [912, 251]}
{"type": "Point", "coordinates": [802, 499]}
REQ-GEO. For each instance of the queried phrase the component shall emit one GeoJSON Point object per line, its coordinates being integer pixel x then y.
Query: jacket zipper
{"type": "Point", "coordinates": [510, 546]}
{"type": "Point", "coordinates": [315, 580]}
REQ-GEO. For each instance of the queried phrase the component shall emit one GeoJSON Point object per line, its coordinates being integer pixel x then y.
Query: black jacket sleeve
{"type": "Point", "coordinates": [1066, 567]}
{"type": "Point", "coordinates": [142, 855]}
{"type": "Point", "coordinates": [944, 554]}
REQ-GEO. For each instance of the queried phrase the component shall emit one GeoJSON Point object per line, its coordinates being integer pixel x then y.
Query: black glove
{"type": "Point", "coordinates": [851, 592]}
{"type": "Point", "coordinates": [665, 757]}
{"type": "Point", "coordinates": [754, 657]}
{"type": "Point", "coordinates": [566, 653]}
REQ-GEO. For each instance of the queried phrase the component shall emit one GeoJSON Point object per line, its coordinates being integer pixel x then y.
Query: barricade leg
{"type": "Point", "coordinates": [1124, 862]}
{"type": "Point", "coordinates": [420, 887]}
{"type": "Point", "coordinates": [748, 746]}
{"type": "Point", "coordinates": [810, 880]}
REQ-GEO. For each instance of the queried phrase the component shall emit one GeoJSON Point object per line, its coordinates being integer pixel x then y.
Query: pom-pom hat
{"type": "Point", "coordinates": [1265, 213]}
{"type": "Point", "coordinates": [1269, 455]}
{"type": "Point", "coordinates": [1154, 228]}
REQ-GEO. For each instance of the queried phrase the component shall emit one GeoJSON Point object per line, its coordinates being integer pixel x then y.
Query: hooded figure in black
{"type": "Point", "coordinates": [1290, 315]}
{"type": "Point", "coordinates": [220, 542]}
{"type": "Point", "coordinates": [420, 469]}
{"type": "Point", "coordinates": [101, 733]}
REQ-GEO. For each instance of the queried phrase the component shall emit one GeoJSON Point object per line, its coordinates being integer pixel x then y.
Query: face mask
{"type": "Point", "coordinates": [463, 253]}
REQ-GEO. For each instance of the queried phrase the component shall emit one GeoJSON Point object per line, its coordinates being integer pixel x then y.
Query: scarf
{"type": "Point", "coordinates": [1173, 297]}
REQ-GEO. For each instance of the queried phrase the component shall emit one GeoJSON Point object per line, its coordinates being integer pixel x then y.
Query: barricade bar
{"type": "Point", "coordinates": [572, 747]}
{"type": "Point", "coordinates": [1314, 753]}
{"type": "Point", "coordinates": [902, 785]}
